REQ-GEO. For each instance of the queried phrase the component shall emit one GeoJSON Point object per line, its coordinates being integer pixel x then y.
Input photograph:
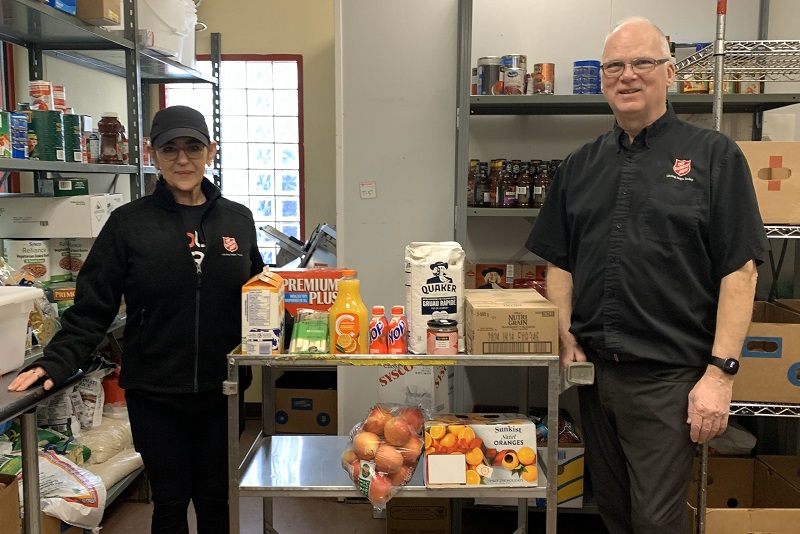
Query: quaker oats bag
{"type": "Point", "coordinates": [434, 289]}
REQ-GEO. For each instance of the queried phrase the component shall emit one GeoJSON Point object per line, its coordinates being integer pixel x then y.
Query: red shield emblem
{"type": "Point", "coordinates": [682, 167]}
{"type": "Point", "coordinates": [230, 244]}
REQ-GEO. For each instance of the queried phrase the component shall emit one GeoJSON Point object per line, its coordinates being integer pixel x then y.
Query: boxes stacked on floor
{"type": "Point", "coordinates": [305, 403]}
{"type": "Point", "coordinates": [770, 362]}
{"type": "Point", "coordinates": [510, 322]}
{"type": "Point", "coordinates": [488, 449]}
{"type": "Point", "coordinates": [747, 495]}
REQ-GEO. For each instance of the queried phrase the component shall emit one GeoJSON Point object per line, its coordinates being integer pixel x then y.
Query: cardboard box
{"type": "Point", "coordinates": [63, 187]}
{"type": "Point", "coordinates": [770, 362]}
{"type": "Point", "coordinates": [99, 12]}
{"type": "Point", "coordinates": [510, 322]}
{"type": "Point", "coordinates": [428, 386]}
{"type": "Point", "coordinates": [42, 217]}
{"type": "Point", "coordinates": [53, 525]}
{"type": "Point", "coordinates": [488, 449]}
{"type": "Point", "coordinates": [305, 402]}
{"type": "Point", "coordinates": [418, 516]}
{"type": "Point", "coordinates": [313, 288]}
{"type": "Point", "coordinates": [502, 274]}
{"type": "Point", "coordinates": [747, 495]}
{"type": "Point", "coordinates": [262, 314]}
{"type": "Point", "coordinates": [776, 177]}
{"type": "Point", "coordinates": [9, 505]}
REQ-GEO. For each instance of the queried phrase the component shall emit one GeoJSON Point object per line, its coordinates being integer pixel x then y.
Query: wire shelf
{"type": "Point", "coordinates": [783, 232]}
{"type": "Point", "coordinates": [746, 61]}
{"type": "Point", "coordinates": [765, 409]}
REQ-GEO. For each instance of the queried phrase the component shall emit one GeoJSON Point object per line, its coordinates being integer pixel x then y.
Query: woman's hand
{"type": "Point", "coordinates": [25, 380]}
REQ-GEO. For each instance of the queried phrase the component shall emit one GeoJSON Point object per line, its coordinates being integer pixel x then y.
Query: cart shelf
{"type": "Point", "coordinates": [753, 61]}
{"type": "Point", "coordinates": [765, 409]}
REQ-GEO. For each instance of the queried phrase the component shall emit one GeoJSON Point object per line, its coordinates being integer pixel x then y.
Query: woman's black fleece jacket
{"type": "Point", "coordinates": [182, 321]}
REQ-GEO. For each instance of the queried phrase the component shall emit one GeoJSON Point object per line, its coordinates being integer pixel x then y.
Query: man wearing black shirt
{"type": "Point", "coordinates": [652, 234]}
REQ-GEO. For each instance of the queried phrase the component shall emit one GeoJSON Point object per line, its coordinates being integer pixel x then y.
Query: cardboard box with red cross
{"type": "Point", "coordinates": [775, 167]}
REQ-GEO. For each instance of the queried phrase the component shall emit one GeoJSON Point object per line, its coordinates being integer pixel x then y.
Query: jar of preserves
{"type": "Point", "coordinates": [443, 336]}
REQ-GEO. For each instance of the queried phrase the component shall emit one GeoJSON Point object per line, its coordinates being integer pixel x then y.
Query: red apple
{"type": "Point", "coordinates": [396, 431]}
{"type": "Point", "coordinates": [380, 489]}
{"type": "Point", "coordinates": [413, 418]}
{"type": "Point", "coordinates": [388, 459]}
{"type": "Point", "coordinates": [365, 445]}
{"type": "Point", "coordinates": [411, 450]}
{"type": "Point", "coordinates": [354, 469]}
{"type": "Point", "coordinates": [376, 419]}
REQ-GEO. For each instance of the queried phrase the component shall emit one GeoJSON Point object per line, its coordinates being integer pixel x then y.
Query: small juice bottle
{"type": "Point", "coordinates": [398, 331]}
{"type": "Point", "coordinates": [348, 318]}
{"type": "Point", "coordinates": [378, 331]}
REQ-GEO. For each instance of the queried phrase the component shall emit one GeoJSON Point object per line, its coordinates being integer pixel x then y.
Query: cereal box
{"type": "Point", "coordinates": [313, 288]}
{"type": "Point", "coordinates": [490, 449]}
{"type": "Point", "coordinates": [262, 314]}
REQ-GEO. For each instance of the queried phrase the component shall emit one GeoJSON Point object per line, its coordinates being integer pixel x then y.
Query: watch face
{"type": "Point", "coordinates": [731, 366]}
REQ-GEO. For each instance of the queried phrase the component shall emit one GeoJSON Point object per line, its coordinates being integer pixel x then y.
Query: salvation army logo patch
{"type": "Point", "coordinates": [230, 244]}
{"type": "Point", "coordinates": [682, 167]}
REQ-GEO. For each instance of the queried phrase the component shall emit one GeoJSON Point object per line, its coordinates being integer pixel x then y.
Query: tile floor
{"type": "Point", "coordinates": [329, 516]}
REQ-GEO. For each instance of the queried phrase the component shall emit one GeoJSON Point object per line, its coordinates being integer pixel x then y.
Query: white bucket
{"type": "Point", "coordinates": [167, 20]}
{"type": "Point", "coordinates": [188, 56]}
{"type": "Point", "coordinates": [16, 304]}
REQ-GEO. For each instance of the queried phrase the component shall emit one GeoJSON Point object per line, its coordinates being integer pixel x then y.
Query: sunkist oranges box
{"type": "Point", "coordinates": [313, 288]}
{"type": "Point", "coordinates": [262, 314]}
{"type": "Point", "coordinates": [493, 449]}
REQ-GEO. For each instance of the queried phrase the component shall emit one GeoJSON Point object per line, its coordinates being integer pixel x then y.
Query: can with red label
{"type": "Point", "coordinates": [443, 336]}
{"type": "Point", "coordinates": [513, 81]}
{"type": "Point", "coordinates": [544, 75]}
{"type": "Point", "coordinates": [473, 90]}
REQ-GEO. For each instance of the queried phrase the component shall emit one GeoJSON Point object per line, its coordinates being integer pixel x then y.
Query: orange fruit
{"type": "Point", "coordinates": [526, 455]}
{"type": "Point", "coordinates": [529, 473]}
{"type": "Point", "coordinates": [473, 478]}
{"type": "Point", "coordinates": [428, 440]}
{"type": "Point", "coordinates": [455, 429]}
{"type": "Point", "coordinates": [474, 457]}
{"type": "Point", "coordinates": [448, 440]}
{"type": "Point", "coordinates": [467, 434]}
{"type": "Point", "coordinates": [437, 431]}
{"type": "Point", "coordinates": [510, 460]}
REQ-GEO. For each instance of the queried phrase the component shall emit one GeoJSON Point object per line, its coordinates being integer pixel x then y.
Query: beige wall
{"type": "Point", "coordinates": [290, 27]}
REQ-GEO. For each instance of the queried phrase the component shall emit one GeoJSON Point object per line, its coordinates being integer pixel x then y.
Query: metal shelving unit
{"type": "Point", "coordinates": [502, 212]}
{"type": "Point", "coordinates": [748, 61]}
{"type": "Point", "coordinates": [597, 105]}
{"type": "Point", "coordinates": [765, 409]}
{"type": "Point", "coordinates": [315, 460]}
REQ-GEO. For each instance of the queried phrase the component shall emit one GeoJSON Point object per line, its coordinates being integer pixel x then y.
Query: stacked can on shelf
{"type": "Point", "coordinates": [515, 67]}
{"type": "Point", "coordinates": [586, 77]}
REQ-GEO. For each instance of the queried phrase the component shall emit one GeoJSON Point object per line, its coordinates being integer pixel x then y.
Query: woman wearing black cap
{"type": "Point", "coordinates": [184, 317]}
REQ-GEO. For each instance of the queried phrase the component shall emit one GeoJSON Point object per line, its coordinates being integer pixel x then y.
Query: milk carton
{"type": "Point", "coordinates": [262, 314]}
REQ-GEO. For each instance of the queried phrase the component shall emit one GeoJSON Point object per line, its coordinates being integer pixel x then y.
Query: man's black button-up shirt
{"type": "Point", "coordinates": [648, 230]}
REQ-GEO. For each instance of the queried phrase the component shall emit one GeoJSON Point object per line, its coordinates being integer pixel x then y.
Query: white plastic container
{"type": "Point", "coordinates": [16, 304]}
{"type": "Point", "coordinates": [188, 56]}
{"type": "Point", "coordinates": [167, 20]}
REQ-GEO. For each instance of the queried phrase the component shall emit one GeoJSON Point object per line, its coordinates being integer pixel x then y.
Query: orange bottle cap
{"type": "Point", "coordinates": [398, 310]}
{"type": "Point", "coordinates": [378, 310]}
{"type": "Point", "coordinates": [348, 272]}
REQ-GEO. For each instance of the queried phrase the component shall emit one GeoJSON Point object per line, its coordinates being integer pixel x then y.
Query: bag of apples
{"type": "Point", "coordinates": [385, 449]}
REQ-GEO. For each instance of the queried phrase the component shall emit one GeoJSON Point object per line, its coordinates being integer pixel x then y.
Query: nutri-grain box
{"type": "Point", "coordinates": [313, 288]}
{"type": "Point", "coordinates": [262, 314]}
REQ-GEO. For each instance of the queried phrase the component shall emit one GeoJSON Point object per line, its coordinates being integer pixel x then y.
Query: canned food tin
{"type": "Point", "coordinates": [41, 95]}
{"type": "Point", "coordinates": [46, 136]}
{"type": "Point", "coordinates": [490, 80]}
{"type": "Point", "coordinates": [442, 336]}
{"type": "Point", "coordinates": [544, 78]}
{"type": "Point", "coordinates": [513, 81]}
{"type": "Point", "coordinates": [18, 124]}
{"type": "Point", "coordinates": [473, 90]}
{"type": "Point", "coordinates": [517, 61]}
{"type": "Point", "coordinates": [73, 148]}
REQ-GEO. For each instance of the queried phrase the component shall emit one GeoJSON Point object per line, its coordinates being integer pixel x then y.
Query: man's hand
{"type": "Point", "coordinates": [25, 380]}
{"type": "Point", "coordinates": [570, 352]}
{"type": "Point", "coordinates": [709, 405]}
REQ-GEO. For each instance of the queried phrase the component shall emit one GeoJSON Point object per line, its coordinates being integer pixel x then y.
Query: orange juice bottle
{"type": "Point", "coordinates": [348, 318]}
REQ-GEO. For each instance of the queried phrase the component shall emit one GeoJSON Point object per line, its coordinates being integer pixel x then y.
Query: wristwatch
{"type": "Point", "coordinates": [729, 366]}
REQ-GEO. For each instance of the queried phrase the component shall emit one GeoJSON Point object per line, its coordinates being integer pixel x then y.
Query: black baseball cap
{"type": "Point", "coordinates": [178, 121]}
